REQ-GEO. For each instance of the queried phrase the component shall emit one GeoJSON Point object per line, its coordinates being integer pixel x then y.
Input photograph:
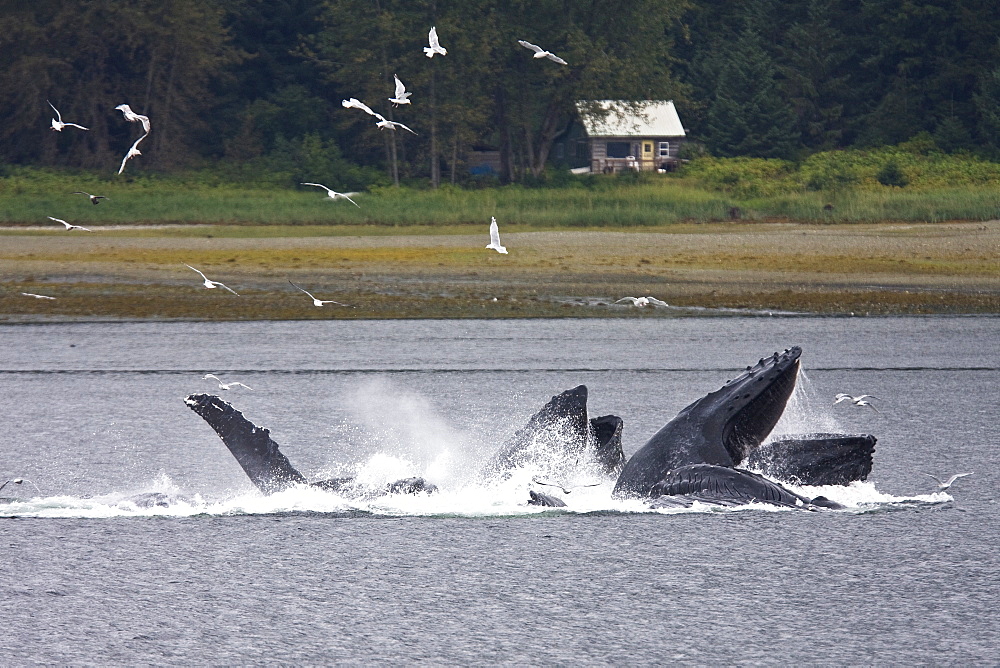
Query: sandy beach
{"type": "Point", "coordinates": [133, 273]}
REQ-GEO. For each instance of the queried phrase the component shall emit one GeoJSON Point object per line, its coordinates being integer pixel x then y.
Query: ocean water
{"type": "Point", "coordinates": [94, 420]}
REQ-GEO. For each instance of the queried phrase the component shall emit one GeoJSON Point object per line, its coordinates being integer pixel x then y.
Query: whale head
{"type": "Point", "coordinates": [721, 428]}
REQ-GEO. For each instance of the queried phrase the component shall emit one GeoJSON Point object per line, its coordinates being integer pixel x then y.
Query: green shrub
{"type": "Point", "coordinates": [892, 175]}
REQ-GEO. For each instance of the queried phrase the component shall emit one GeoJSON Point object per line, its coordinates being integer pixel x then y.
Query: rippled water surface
{"type": "Point", "coordinates": [94, 419]}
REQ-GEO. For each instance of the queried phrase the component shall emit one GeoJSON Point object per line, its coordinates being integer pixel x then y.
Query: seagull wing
{"type": "Point", "coordinates": [656, 302]}
{"type": "Point", "coordinates": [203, 276]}
{"type": "Point", "coordinates": [432, 38]}
{"type": "Point", "coordinates": [59, 220]}
{"type": "Point", "coordinates": [223, 285]}
{"type": "Point", "coordinates": [78, 126]}
{"type": "Point", "coordinates": [318, 185]}
{"type": "Point", "coordinates": [301, 289]}
{"type": "Point", "coordinates": [58, 115]}
{"type": "Point", "coordinates": [349, 199]}
{"type": "Point", "coordinates": [241, 385]}
{"type": "Point", "coordinates": [956, 477]}
{"type": "Point", "coordinates": [529, 45]}
{"type": "Point", "coordinates": [554, 57]}
{"type": "Point", "coordinates": [634, 300]}
{"type": "Point", "coordinates": [400, 89]}
{"type": "Point", "coordinates": [402, 126]}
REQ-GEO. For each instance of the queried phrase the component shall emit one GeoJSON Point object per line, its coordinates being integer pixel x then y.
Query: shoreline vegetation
{"type": "Point", "coordinates": [820, 236]}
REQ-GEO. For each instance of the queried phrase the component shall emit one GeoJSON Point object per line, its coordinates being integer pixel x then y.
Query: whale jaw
{"type": "Point", "coordinates": [721, 429]}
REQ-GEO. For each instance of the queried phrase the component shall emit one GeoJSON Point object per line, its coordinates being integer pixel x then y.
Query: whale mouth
{"type": "Point", "coordinates": [759, 397]}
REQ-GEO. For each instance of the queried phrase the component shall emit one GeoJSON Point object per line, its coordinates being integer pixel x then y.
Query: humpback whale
{"type": "Point", "coordinates": [560, 430]}
{"type": "Point", "coordinates": [696, 455]}
{"type": "Point", "coordinates": [700, 455]}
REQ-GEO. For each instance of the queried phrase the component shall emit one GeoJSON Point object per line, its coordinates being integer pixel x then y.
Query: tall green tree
{"type": "Point", "coordinates": [159, 56]}
{"type": "Point", "coordinates": [750, 115]}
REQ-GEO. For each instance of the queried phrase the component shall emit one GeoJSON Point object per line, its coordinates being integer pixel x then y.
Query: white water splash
{"type": "Point", "coordinates": [806, 413]}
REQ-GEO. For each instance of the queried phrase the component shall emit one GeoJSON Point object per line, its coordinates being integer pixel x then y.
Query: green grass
{"type": "Point", "coordinates": [838, 186]}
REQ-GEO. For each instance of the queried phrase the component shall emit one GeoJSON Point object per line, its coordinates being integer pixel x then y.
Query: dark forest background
{"type": "Point", "coordinates": [254, 87]}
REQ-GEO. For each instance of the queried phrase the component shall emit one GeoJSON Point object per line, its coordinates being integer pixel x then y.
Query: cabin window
{"type": "Point", "coordinates": [647, 148]}
{"type": "Point", "coordinates": [664, 149]}
{"type": "Point", "coordinates": [619, 149]}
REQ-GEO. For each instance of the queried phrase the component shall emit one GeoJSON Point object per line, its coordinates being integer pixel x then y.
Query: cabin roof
{"type": "Point", "coordinates": [647, 118]}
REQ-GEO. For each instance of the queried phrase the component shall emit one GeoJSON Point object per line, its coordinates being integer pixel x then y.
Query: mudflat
{"type": "Point", "coordinates": [137, 273]}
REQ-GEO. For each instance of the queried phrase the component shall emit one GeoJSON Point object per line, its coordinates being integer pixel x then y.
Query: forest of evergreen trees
{"type": "Point", "coordinates": [256, 85]}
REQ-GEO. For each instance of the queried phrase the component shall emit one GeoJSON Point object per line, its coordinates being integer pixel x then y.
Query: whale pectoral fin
{"type": "Point", "coordinates": [252, 446]}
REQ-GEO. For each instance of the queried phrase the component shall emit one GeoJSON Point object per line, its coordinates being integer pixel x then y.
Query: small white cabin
{"type": "Point", "coordinates": [620, 135]}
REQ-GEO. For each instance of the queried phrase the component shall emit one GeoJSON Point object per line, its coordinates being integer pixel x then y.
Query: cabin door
{"type": "Point", "coordinates": [647, 154]}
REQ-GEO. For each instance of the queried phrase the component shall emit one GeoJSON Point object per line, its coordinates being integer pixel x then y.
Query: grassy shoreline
{"type": "Point", "coordinates": [858, 269]}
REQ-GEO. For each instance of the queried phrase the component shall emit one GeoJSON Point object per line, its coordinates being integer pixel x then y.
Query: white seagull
{"type": "Point", "coordinates": [435, 46]}
{"type": "Point", "coordinates": [18, 481]}
{"type": "Point", "coordinates": [70, 227]}
{"type": "Point", "coordinates": [57, 123]}
{"type": "Point", "coordinates": [857, 401]}
{"type": "Point", "coordinates": [566, 490]}
{"type": "Point", "coordinates": [949, 482]}
{"type": "Point", "coordinates": [495, 237]}
{"type": "Point", "coordinates": [225, 386]}
{"type": "Point", "coordinates": [94, 199]}
{"type": "Point", "coordinates": [642, 301]}
{"type": "Point", "coordinates": [212, 284]}
{"type": "Point", "coordinates": [318, 302]}
{"type": "Point", "coordinates": [385, 124]}
{"type": "Point", "coordinates": [355, 103]}
{"type": "Point", "coordinates": [32, 294]}
{"type": "Point", "coordinates": [133, 117]}
{"type": "Point", "coordinates": [542, 53]}
{"type": "Point", "coordinates": [332, 194]}
{"type": "Point", "coordinates": [401, 95]}
{"type": "Point", "coordinates": [132, 152]}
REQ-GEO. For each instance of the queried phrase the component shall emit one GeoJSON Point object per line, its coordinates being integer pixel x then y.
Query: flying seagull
{"type": "Point", "coordinates": [70, 227]}
{"type": "Point", "coordinates": [133, 117]}
{"type": "Point", "coordinates": [355, 103]}
{"type": "Point", "coordinates": [566, 490]}
{"type": "Point", "coordinates": [390, 125]}
{"type": "Point", "coordinates": [94, 199]}
{"type": "Point", "coordinates": [642, 301]}
{"type": "Point", "coordinates": [949, 482]}
{"type": "Point", "coordinates": [495, 237]}
{"type": "Point", "coordinates": [132, 152]}
{"type": "Point", "coordinates": [225, 386]}
{"type": "Point", "coordinates": [57, 123]}
{"type": "Point", "coordinates": [32, 294]}
{"type": "Point", "coordinates": [401, 96]}
{"type": "Point", "coordinates": [332, 194]}
{"type": "Point", "coordinates": [542, 53]}
{"type": "Point", "coordinates": [18, 481]}
{"type": "Point", "coordinates": [857, 401]}
{"type": "Point", "coordinates": [212, 284]}
{"type": "Point", "coordinates": [435, 46]}
{"type": "Point", "coordinates": [318, 302]}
